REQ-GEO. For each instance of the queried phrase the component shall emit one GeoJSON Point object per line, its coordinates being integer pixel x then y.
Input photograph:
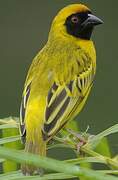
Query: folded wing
{"type": "Point", "coordinates": [64, 100]}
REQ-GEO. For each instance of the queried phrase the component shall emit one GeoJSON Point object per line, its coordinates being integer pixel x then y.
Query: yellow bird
{"type": "Point", "coordinates": [59, 79]}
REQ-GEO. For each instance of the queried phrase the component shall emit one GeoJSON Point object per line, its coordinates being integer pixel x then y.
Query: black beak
{"type": "Point", "coordinates": [92, 21]}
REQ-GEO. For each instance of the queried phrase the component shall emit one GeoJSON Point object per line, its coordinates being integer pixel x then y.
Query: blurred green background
{"type": "Point", "coordinates": [24, 27]}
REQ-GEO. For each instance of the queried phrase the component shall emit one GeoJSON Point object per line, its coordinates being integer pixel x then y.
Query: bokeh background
{"type": "Point", "coordinates": [24, 27]}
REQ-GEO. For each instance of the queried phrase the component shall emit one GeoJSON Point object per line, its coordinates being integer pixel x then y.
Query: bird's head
{"type": "Point", "coordinates": [76, 20]}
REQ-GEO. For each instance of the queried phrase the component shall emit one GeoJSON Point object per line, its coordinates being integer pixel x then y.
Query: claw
{"type": "Point", "coordinates": [78, 136]}
{"type": "Point", "coordinates": [29, 170]}
{"type": "Point", "coordinates": [79, 145]}
{"type": "Point", "coordinates": [81, 138]}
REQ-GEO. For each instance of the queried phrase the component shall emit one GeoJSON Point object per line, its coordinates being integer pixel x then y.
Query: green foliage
{"type": "Point", "coordinates": [10, 138]}
{"type": "Point", "coordinates": [95, 151]}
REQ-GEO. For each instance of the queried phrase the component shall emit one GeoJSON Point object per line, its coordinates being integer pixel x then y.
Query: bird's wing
{"type": "Point", "coordinates": [63, 101]}
{"type": "Point", "coordinates": [23, 111]}
{"type": "Point", "coordinates": [26, 94]}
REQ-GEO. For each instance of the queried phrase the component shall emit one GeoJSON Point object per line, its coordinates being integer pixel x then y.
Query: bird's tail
{"type": "Point", "coordinates": [38, 148]}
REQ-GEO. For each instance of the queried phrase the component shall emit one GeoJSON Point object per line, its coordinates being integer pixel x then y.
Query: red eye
{"type": "Point", "coordinates": [75, 19]}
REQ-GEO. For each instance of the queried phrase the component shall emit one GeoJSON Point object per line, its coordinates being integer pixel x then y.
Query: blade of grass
{"type": "Point", "coordinates": [52, 146]}
{"type": "Point", "coordinates": [9, 139]}
{"type": "Point", "coordinates": [38, 161]}
{"type": "Point", "coordinates": [11, 175]}
{"type": "Point", "coordinates": [10, 135]}
{"type": "Point", "coordinates": [94, 141]}
{"type": "Point", "coordinates": [9, 120]}
{"type": "Point", "coordinates": [103, 147]}
{"type": "Point", "coordinates": [105, 159]}
{"type": "Point", "coordinates": [88, 150]}
{"type": "Point", "coordinates": [2, 160]}
{"type": "Point", "coordinates": [8, 126]}
{"type": "Point", "coordinates": [19, 176]}
{"type": "Point", "coordinates": [113, 172]}
{"type": "Point", "coordinates": [52, 164]}
{"type": "Point", "coordinates": [84, 160]}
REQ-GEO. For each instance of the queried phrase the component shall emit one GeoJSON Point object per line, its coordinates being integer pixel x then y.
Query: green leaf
{"type": "Point", "coordinates": [52, 146]}
{"type": "Point", "coordinates": [8, 126]}
{"type": "Point", "coordinates": [18, 176]}
{"type": "Point", "coordinates": [9, 139]}
{"type": "Point", "coordinates": [84, 160]}
{"type": "Point", "coordinates": [52, 164]}
{"type": "Point", "coordinates": [2, 160]}
{"type": "Point", "coordinates": [11, 175]}
{"type": "Point", "coordinates": [10, 120]}
{"type": "Point", "coordinates": [114, 172]}
{"type": "Point", "coordinates": [95, 140]}
{"type": "Point", "coordinates": [103, 147]}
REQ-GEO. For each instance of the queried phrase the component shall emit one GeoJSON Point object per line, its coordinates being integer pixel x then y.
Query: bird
{"type": "Point", "coordinates": [59, 79]}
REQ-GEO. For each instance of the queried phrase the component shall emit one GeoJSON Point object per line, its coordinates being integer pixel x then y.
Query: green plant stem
{"type": "Point", "coordinates": [113, 172]}
{"type": "Point", "coordinates": [84, 160]}
{"type": "Point", "coordinates": [38, 161]}
{"type": "Point", "coordinates": [106, 160]}
{"type": "Point", "coordinates": [9, 139]}
{"type": "Point", "coordinates": [52, 164]}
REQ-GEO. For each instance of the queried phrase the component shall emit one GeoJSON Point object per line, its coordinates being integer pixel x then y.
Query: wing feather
{"type": "Point", "coordinates": [23, 111]}
{"type": "Point", "coordinates": [61, 104]}
{"type": "Point", "coordinates": [59, 99]}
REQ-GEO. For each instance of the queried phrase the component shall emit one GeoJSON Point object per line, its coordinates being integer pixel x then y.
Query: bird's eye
{"type": "Point", "coordinates": [75, 19]}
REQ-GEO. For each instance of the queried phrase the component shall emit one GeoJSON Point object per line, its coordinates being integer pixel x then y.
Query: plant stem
{"type": "Point", "coordinates": [52, 164]}
{"type": "Point", "coordinates": [106, 160]}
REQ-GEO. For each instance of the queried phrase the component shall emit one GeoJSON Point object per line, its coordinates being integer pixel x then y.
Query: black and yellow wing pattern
{"type": "Point", "coordinates": [64, 101]}
{"type": "Point", "coordinates": [25, 97]}
{"type": "Point", "coordinates": [23, 112]}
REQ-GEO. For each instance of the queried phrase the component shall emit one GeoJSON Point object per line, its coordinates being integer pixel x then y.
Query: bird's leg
{"type": "Point", "coordinates": [79, 145]}
{"type": "Point", "coordinates": [28, 170]}
{"type": "Point", "coordinates": [78, 136]}
{"type": "Point", "coordinates": [81, 138]}
{"type": "Point", "coordinates": [39, 171]}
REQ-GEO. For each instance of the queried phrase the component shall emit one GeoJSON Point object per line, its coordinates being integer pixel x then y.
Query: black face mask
{"type": "Point", "coordinates": [81, 25]}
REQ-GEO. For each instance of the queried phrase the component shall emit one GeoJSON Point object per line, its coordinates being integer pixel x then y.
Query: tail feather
{"type": "Point", "coordinates": [35, 148]}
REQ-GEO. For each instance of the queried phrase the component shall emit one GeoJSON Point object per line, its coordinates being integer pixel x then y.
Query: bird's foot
{"type": "Point", "coordinates": [79, 139]}
{"type": "Point", "coordinates": [29, 170]}
{"type": "Point", "coordinates": [79, 145]}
